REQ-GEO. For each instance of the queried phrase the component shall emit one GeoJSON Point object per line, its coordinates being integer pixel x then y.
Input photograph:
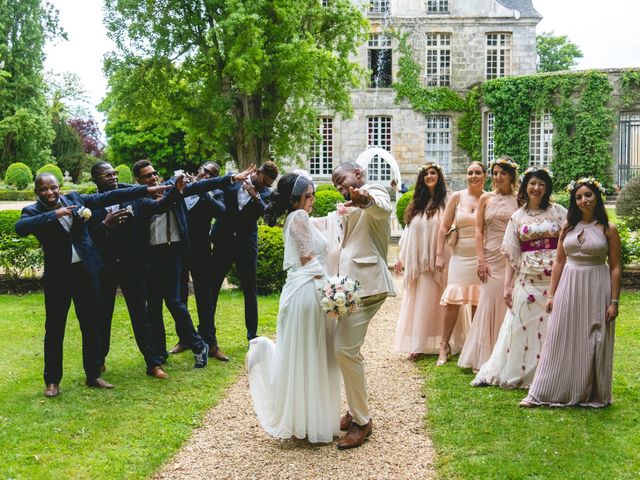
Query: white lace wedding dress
{"type": "Point", "coordinates": [295, 383]}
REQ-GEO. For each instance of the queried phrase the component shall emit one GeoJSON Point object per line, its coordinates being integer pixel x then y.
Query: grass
{"type": "Point", "coordinates": [87, 433]}
{"type": "Point", "coordinates": [480, 433]}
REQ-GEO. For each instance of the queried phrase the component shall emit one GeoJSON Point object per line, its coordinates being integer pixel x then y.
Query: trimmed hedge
{"type": "Point", "coordinates": [54, 170]}
{"type": "Point", "coordinates": [401, 206]}
{"type": "Point", "coordinates": [18, 175]}
{"type": "Point", "coordinates": [17, 195]}
{"type": "Point", "coordinates": [326, 202]}
{"type": "Point", "coordinates": [124, 174]}
{"type": "Point", "coordinates": [270, 276]}
{"type": "Point", "coordinates": [8, 219]}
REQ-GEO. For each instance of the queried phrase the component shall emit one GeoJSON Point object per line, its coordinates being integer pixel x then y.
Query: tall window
{"type": "Point", "coordinates": [379, 6]}
{"type": "Point", "coordinates": [380, 60]}
{"type": "Point", "coordinates": [379, 135]}
{"type": "Point", "coordinates": [490, 121]}
{"type": "Point", "coordinates": [629, 151]}
{"type": "Point", "coordinates": [321, 156]}
{"type": "Point", "coordinates": [438, 68]}
{"type": "Point", "coordinates": [541, 140]}
{"type": "Point", "coordinates": [437, 6]}
{"type": "Point", "coordinates": [438, 145]}
{"type": "Point", "coordinates": [498, 55]}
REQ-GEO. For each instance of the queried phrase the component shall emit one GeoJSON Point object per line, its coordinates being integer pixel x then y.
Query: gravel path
{"type": "Point", "coordinates": [232, 445]}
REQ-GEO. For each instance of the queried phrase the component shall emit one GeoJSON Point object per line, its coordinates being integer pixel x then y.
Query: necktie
{"type": "Point", "coordinates": [168, 227]}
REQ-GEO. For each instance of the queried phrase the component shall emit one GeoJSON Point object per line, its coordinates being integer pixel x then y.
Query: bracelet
{"type": "Point", "coordinates": [615, 301]}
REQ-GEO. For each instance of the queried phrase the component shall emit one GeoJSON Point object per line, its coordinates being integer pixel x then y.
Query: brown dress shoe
{"type": "Point", "coordinates": [179, 348]}
{"type": "Point", "coordinates": [99, 383]}
{"type": "Point", "coordinates": [52, 390]}
{"type": "Point", "coordinates": [356, 436]}
{"type": "Point", "coordinates": [158, 372]}
{"type": "Point", "coordinates": [345, 421]}
{"type": "Point", "coordinates": [215, 352]}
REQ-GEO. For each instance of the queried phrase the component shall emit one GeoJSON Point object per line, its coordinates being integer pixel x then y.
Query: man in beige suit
{"type": "Point", "coordinates": [358, 250]}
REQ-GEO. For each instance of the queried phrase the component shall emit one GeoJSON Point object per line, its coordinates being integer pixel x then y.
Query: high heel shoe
{"type": "Point", "coordinates": [447, 355]}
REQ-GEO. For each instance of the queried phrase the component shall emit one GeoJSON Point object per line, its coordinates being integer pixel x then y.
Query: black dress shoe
{"type": "Point", "coordinates": [99, 383]}
{"type": "Point", "coordinates": [52, 390]}
{"type": "Point", "coordinates": [215, 352]}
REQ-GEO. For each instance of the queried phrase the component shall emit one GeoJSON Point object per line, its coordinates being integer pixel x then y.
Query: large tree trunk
{"type": "Point", "coordinates": [249, 146]}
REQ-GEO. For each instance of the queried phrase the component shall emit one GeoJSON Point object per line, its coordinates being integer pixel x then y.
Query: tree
{"type": "Point", "coordinates": [89, 133]}
{"type": "Point", "coordinates": [556, 53]}
{"type": "Point", "coordinates": [25, 127]}
{"type": "Point", "coordinates": [244, 79]}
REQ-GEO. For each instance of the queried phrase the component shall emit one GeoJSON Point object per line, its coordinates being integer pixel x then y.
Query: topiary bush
{"type": "Point", "coordinates": [124, 174]}
{"type": "Point", "coordinates": [628, 203]}
{"type": "Point", "coordinates": [326, 202]}
{"type": "Point", "coordinates": [323, 187]}
{"type": "Point", "coordinates": [53, 170]}
{"type": "Point", "coordinates": [270, 276]}
{"type": "Point", "coordinates": [401, 206]}
{"type": "Point", "coordinates": [18, 175]}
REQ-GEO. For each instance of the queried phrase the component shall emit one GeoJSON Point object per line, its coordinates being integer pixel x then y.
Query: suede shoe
{"type": "Point", "coordinates": [179, 348]}
{"type": "Point", "coordinates": [158, 372]}
{"type": "Point", "coordinates": [52, 390]}
{"type": "Point", "coordinates": [345, 421]}
{"type": "Point", "coordinates": [202, 358]}
{"type": "Point", "coordinates": [356, 436]}
{"type": "Point", "coordinates": [99, 383]}
{"type": "Point", "coordinates": [215, 352]}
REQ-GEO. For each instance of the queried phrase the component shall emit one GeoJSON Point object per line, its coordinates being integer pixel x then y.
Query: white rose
{"type": "Point", "coordinates": [85, 213]}
{"type": "Point", "coordinates": [351, 285]}
{"type": "Point", "coordinates": [343, 311]}
{"type": "Point", "coordinates": [327, 304]}
{"type": "Point", "coordinates": [340, 299]}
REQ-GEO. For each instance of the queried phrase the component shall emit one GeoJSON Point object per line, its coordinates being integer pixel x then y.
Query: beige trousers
{"type": "Point", "coordinates": [349, 337]}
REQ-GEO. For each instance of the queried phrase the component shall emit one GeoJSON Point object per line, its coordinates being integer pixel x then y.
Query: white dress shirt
{"type": "Point", "coordinates": [158, 229]}
{"type": "Point", "coordinates": [66, 221]}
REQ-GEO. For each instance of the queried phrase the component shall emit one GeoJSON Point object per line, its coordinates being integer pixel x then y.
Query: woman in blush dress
{"type": "Point", "coordinates": [529, 244]}
{"type": "Point", "coordinates": [295, 383]}
{"type": "Point", "coordinates": [463, 285]}
{"type": "Point", "coordinates": [421, 316]}
{"type": "Point", "coordinates": [577, 359]}
{"type": "Point", "coordinates": [494, 211]}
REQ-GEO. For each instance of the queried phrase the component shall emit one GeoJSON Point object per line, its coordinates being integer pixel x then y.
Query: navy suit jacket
{"type": "Point", "coordinates": [210, 205]}
{"type": "Point", "coordinates": [56, 242]}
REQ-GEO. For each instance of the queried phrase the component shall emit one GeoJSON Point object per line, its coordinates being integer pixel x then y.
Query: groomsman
{"type": "Point", "coordinates": [201, 210]}
{"type": "Point", "coordinates": [235, 240]}
{"type": "Point", "coordinates": [116, 232]}
{"type": "Point", "coordinates": [71, 268]}
{"type": "Point", "coordinates": [169, 249]}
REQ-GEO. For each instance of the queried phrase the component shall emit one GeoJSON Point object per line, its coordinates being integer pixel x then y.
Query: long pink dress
{"type": "Point", "coordinates": [421, 318]}
{"type": "Point", "coordinates": [577, 358]}
{"type": "Point", "coordinates": [491, 307]}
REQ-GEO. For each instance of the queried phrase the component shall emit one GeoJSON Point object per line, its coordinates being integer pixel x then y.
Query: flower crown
{"type": "Point", "coordinates": [539, 169]}
{"type": "Point", "coordinates": [585, 180]}
{"type": "Point", "coordinates": [504, 161]}
{"type": "Point", "coordinates": [429, 165]}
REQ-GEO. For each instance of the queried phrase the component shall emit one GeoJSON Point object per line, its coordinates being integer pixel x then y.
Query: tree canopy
{"type": "Point", "coordinates": [243, 80]}
{"type": "Point", "coordinates": [556, 52]}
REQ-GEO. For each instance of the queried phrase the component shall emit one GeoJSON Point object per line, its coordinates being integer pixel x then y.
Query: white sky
{"type": "Point", "coordinates": [607, 32]}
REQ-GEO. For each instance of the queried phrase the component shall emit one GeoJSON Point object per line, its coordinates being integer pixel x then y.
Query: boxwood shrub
{"type": "Point", "coordinates": [325, 203]}
{"type": "Point", "coordinates": [628, 203]}
{"type": "Point", "coordinates": [401, 206]}
{"type": "Point", "coordinates": [124, 174]}
{"type": "Point", "coordinates": [54, 170]}
{"type": "Point", "coordinates": [18, 175]}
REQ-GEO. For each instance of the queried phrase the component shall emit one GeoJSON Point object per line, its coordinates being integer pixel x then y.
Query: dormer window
{"type": "Point", "coordinates": [377, 7]}
{"type": "Point", "coordinates": [437, 6]}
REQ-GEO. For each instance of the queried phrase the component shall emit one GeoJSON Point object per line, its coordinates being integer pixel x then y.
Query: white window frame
{"type": "Point", "coordinates": [438, 59]}
{"type": "Point", "coordinates": [490, 121]}
{"type": "Point", "coordinates": [498, 55]}
{"type": "Point", "coordinates": [436, 7]}
{"type": "Point", "coordinates": [541, 139]}
{"type": "Point", "coordinates": [379, 134]}
{"type": "Point", "coordinates": [321, 154]}
{"type": "Point", "coordinates": [379, 7]}
{"type": "Point", "coordinates": [438, 141]}
{"type": "Point", "coordinates": [380, 41]}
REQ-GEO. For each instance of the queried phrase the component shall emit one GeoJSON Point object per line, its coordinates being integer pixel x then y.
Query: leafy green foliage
{"type": "Point", "coordinates": [18, 175]}
{"type": "Point", "coordinates": [630, 243]}
{"type": "Point", "coordinates": [326, 202]}
{"type": "Point", "coordinates": [67, 147]}
{"type": "Point", "coordinates": [270, 276]}
{"type": "Point", "coordinates": [19, 256]}
{"type": "Point", "coordinates": [124, 174]}
{"type": "Point", "coordinates": [54, 170]}
{"type": "Point", "coordinates": [562, 198]}
{"type": "Point", "coordinates": [556, 52]}
{"type": "Point", "coordinates": [402, 204]}
{"type": "Point", "coordinates": [323, 187]}
{"type": "Point", "coordinates": [628, 203]}
{"type": "Point", "coordinates": [630, 88]}
{"type": "Point", "coordinates": [17, 195]}
{"type": "Point", "coordinates": [470, 125]}
{"type": "Point", "coordinates": [8, 219]}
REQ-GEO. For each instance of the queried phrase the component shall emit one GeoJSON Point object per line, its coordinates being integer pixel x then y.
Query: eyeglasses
{"type": "Point", "coordinates": [111, 174]}
{"type": "Point", "coordinates": [149, 175]}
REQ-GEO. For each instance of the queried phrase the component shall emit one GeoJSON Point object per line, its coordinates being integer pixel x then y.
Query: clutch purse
{"type": "Point", "coordinates": [452, 236]}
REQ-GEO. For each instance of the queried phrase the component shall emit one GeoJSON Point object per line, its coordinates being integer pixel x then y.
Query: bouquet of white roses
{"type": "Point", "coordinates": [340, 295]}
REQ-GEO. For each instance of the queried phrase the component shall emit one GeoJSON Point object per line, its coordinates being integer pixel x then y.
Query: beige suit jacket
{"type": "Point", "coordinates": [359, 249]}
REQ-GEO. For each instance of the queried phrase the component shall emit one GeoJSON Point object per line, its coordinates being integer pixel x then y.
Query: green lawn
{"type": "Point", "coordinates": [480, 433]}
{"type": "Point", "coordinates": [87, 433]}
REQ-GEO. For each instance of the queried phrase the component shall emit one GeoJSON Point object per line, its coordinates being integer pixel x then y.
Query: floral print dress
{"type": "Point", "coordinates": [529, 244]}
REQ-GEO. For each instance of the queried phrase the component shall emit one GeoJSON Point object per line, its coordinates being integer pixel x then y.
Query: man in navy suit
{"type": "Point", "coordinates": [116, 230]}
{"type": "Point", "coordinates": [170, 245]}
{"type": "Point", "coordinates": [71, 268]}
{"type": "Point", "coordinates": [201, 210]}
{"type": "Point", "coordinates": [235, 240]}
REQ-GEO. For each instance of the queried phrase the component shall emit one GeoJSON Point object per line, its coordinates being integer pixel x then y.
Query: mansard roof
{"type": "Point", "coordinates": [525, 7]}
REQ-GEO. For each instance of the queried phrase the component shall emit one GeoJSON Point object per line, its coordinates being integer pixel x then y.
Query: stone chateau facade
{"type": "Point", "coordinates": [458, 43]}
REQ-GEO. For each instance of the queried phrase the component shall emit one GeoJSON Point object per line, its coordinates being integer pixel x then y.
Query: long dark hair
{"type": "Point", "coordinates": [574, 215]}
{"type": "Point", "coordinates": [421, 196]}
{"type": "Point", "coordinates": [281, 199]}
{"type": "Point", "coordinates": [507, 168]}
{"type": "Point", "coordinates": [523, 197]}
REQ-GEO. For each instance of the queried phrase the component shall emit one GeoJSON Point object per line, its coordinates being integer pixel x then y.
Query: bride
{"type": "Point", "coordinates": [295, 384]}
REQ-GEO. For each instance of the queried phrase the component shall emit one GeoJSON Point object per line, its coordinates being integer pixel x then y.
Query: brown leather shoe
{"type": "Point", "coordinates": [99, 383]}
{"type": "Point", "coordinates": [179, 348]}
{"type": "Point", "coordinates": [345, 421]}
{"type": "Point", "coordinates": [215, 352]}
{"type": "Point", "coordinates": [356, 436]}
{"type": "Point", "coordinates": [158, 372]}
{"type": "Point", "coordinates": [52, 390]}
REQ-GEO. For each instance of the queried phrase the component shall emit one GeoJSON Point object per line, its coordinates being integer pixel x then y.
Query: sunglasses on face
{"type": "Point", "coordinates": [149, 175]}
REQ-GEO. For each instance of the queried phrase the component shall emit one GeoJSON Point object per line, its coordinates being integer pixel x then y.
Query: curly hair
{"type": "Point", "coordinates": [422, 200]}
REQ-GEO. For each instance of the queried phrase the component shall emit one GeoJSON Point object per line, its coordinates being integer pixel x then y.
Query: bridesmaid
{"type": "Point", "coordinates": [494, 211]}
{"type": "Point", "coordinates": [463, 286]}
{"type": "Point", "coordinates": [421, 316]}
{"type": "Point", "coordinates": [529, 244]}
{"type": "Point", "coordinates": [577, 360]}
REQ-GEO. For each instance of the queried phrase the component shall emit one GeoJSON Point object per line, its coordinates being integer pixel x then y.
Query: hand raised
{"type": "Point", "coordinates": [158, 189]}
{"type": "Point", "coordinates": [359, 198]}
{"type": "Point", "coordinates": [65, 211]}
{"type": "Point", "coordinates": [242, 176]}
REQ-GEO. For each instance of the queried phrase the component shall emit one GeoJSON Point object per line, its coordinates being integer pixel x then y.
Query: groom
{"type": "Point", "coordinates": [358, 250]}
